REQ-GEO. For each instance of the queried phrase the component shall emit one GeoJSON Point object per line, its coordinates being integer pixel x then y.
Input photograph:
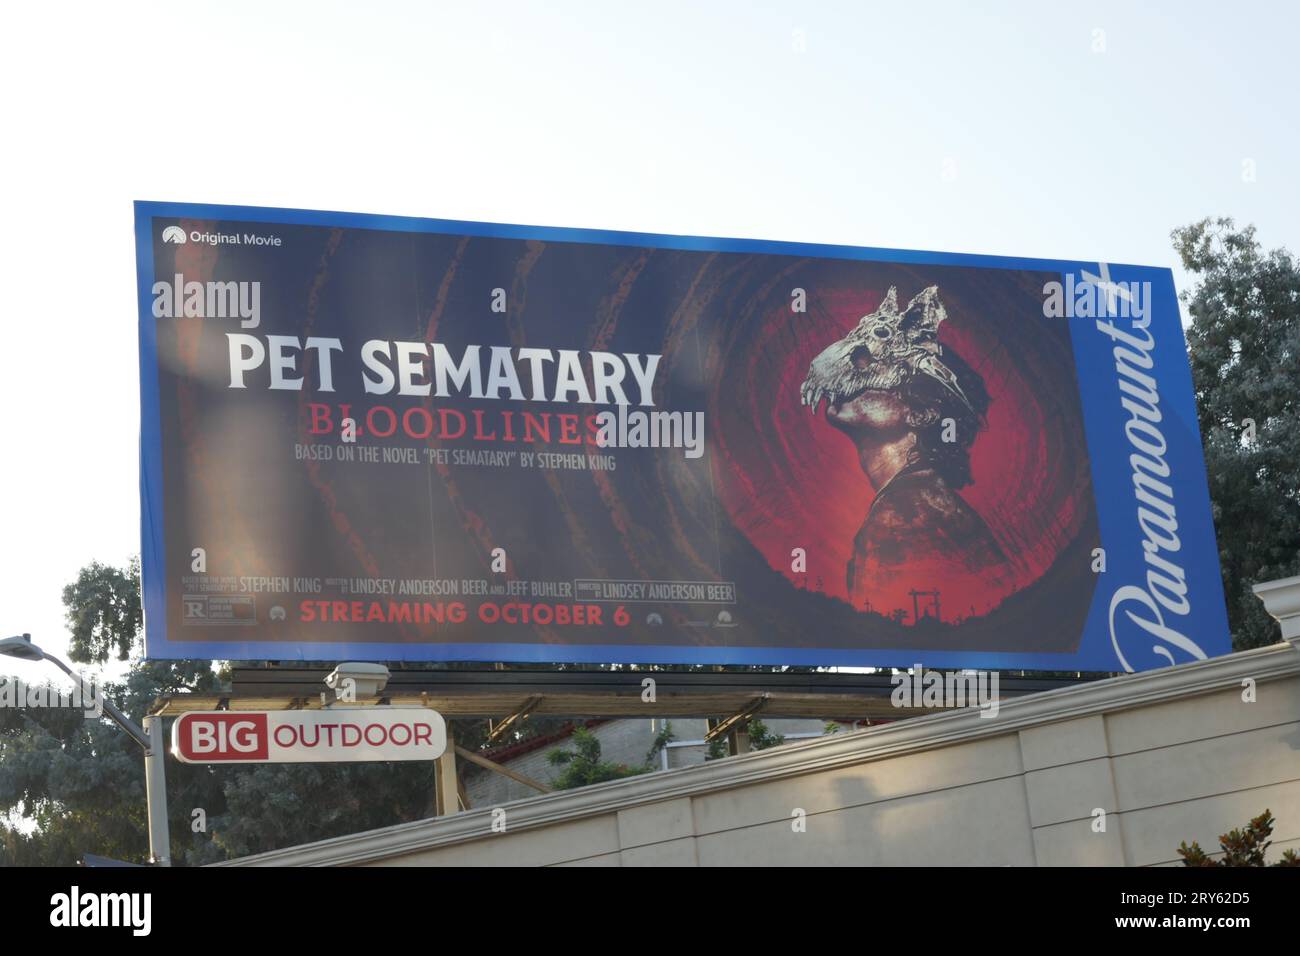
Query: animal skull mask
{"type": "Point", "coordinates": [884, 352]}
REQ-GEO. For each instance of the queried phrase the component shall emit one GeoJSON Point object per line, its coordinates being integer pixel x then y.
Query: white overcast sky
{"type": "Point", "coordinates": [992, 128]}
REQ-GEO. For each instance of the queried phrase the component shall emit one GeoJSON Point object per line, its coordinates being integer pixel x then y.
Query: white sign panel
{"type": "Point", "coordinates": [342, 735]}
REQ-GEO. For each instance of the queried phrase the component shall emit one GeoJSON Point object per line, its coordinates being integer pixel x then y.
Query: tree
{"type": "Point", "coordinates": [102, 608]}
{"type": "Point", "coordinates": [80, 782]}
{"type": "Point", "coordinates": [1243, 847]}
{"type": "Point", "coordinates": [583, 766]}
{"type": "Point", "coordinates": [1244, 344]}
{"type": "Point", "coordinates": [760, 738]}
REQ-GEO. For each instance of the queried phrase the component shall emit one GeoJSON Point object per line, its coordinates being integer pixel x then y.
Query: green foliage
{"type": "Point", "coordinates": [1244, 345]}
{"type": "Point", "coordinates": [583, 766]}
{"type": "Point", "coordinates": [662, 740]}
{"type": "Point", "coordinates": [1242, 847]}
{"type": "Point", "coordinates": [103, 611]}
{"type": "Point", "coordinates": [278, 805]}
{"type": "Point", "coordinates": [79, 783]}
{"type": "Point", "coordinates": [717, 749]}
{"type": "Point", "coordinates": [760, 738]}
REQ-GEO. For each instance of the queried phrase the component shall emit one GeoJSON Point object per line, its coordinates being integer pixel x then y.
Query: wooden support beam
{"type": "Point", "coordinates": [498, 768]}
{"type": "Point", "coordinates": [447, 784]}
{"type": "Point", "coordinates": [738, 739]}
{"type": "Point", "coordinates": [740, 719]}
{"type": "Point", "coordinates": [499, 730]}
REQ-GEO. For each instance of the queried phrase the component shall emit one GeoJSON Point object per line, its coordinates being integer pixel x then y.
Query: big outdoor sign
{"type": "Point", "coordinates": [368, 437]}
{"type": "Point", "coordinates": [309, 736]}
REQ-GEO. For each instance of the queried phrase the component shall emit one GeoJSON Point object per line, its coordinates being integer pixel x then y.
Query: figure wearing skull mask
{"type": "Point", "coordinates": [898, 394]}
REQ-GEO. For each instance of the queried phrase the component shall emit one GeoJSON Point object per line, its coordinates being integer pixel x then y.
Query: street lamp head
{"type": "Point", "coordinates": [22, 648]}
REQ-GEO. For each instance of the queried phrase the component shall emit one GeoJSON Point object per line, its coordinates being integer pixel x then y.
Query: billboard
{"type": "Point", "coordinates": [377, 438]}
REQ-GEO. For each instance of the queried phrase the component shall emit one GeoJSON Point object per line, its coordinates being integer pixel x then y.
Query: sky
{"type": "Point", "coordinates": [1074, 130]}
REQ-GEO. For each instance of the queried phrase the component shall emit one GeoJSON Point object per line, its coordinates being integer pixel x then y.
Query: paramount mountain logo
{"type": "Point", "coordinates": [174, 235]}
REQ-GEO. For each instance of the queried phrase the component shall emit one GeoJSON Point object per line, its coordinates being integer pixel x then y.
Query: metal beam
{"type": "Point", "coordinates": [481, 693]}
{"type": "Point", "coordinates": [298, 681]}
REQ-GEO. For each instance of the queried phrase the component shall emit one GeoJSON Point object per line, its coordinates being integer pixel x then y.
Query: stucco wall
{"type": "Point", "coordinates": [1168, 755]}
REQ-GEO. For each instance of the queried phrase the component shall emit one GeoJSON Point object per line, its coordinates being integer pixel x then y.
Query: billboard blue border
{"type": "Point", "coordinates": [1214, 618]}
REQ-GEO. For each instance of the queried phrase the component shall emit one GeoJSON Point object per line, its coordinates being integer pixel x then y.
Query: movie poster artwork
{"type": "Point", "coordinates": [397, 439]}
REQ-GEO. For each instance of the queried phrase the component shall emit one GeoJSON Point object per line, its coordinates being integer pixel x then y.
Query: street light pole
{"type": "Point", "coordinates": [155, 791]}
{"type": "Point", "coordinates": [149, 737]}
